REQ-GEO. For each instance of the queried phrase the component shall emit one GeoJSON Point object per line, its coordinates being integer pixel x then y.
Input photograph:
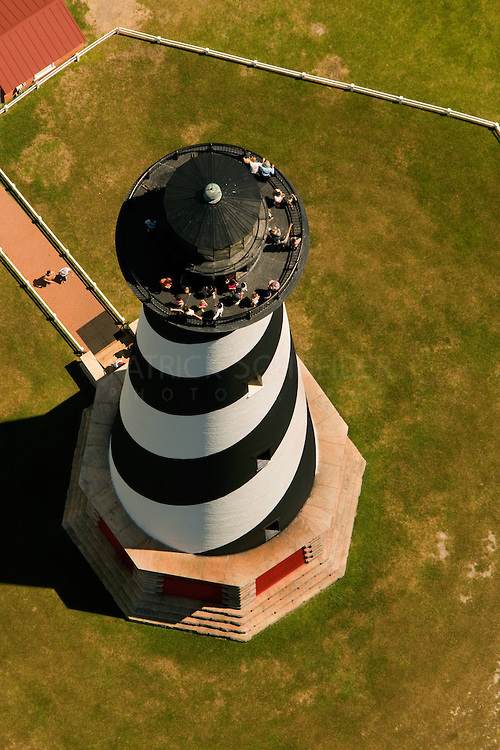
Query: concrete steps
{"type": "Point", "coordinates": [245, 624]}
{"type": "Point", "coordinates": [200, 629]}
{"type": "Point", "coordinates": [278, 605]}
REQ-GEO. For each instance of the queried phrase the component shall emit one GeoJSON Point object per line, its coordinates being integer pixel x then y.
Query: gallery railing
{"type": "Point", "coordinates": [291, 266]}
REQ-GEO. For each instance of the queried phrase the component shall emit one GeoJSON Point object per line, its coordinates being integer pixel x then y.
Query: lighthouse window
{"type": "Point", "coordinates": [254, 385]}
{"type": "Point", "coordinates": [263, 459]}
{"type": "Point", "coordinates": [272, 529]}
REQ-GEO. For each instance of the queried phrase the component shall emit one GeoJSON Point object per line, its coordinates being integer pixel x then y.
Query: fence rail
{"type": "Point", "coordinates": [62, 249]}
{"type": "Point", "coordinates": [303, 76]}
{"type": "Point", "coordinates": [258, 65]}
{"type": "Point", "coordinates": [41, 304]}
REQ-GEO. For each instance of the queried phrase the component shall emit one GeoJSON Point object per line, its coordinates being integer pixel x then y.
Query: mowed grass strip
{"type": "Point", "coordinates": [395, 318]}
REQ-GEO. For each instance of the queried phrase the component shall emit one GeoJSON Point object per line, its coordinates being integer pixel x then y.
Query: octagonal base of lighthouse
{"type": "Point", "coordinates": [230, 596]}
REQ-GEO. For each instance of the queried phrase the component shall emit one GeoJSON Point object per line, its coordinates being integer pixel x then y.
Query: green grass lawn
{"type": "Point", "coordinates": [394, 316]}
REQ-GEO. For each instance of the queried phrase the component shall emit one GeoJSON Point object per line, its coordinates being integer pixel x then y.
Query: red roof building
{"type": "Point", "coordinates": [35, 36]}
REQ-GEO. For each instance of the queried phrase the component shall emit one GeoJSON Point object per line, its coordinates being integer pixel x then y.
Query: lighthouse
{"type": "Point", "coordinates": [219, 482]}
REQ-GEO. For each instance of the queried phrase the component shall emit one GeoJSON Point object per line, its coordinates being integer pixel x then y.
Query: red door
{"type": "Point", "coordinates": [279, 571]}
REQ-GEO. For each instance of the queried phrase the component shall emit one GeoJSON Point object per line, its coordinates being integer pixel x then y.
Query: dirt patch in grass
{"type": "Point", "coordinates": [490, 543]}
{"type": "Point", "coordinates": [479, 570]}
{"type": "Point", "coordinates": [484, 566]}
{"type": "Point", "coordinates": [148, 54]}
{"type": "Point", "coordinates": [317, 29]}
{"type": "Point", "coordinates": [304, 697]}
{"type": "Point", "coordinates": [197, 132]}
{"type": "Point", "coordinates": [441, 544]}
{"type": "Point", "coordinates": [48, 160]}
{"type": "Point", "coordinates": [425, 546]}
{"type": "Point", "coordinates": [163, 665]}
{"type": "Point", "coordinates": [45, 114]}
{"type": "Point", "coordinates": [77, 97]}
{"type": "Point", "coordinates": [182, 18]}
{"type": "Point", "coordinates": [282, 672]}
{"type": "Point", "coordinates": [104, 15]}
{"type": "Point", "coordinates": [332, 66]}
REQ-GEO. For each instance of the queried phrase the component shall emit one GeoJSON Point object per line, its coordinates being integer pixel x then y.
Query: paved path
{"type": "Point", "coordinates": [32, 253]}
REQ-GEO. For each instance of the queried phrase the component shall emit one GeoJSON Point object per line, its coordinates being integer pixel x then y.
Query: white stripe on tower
{"type": "Point", "coordinates": [197, 435]}
{"type": "Point", "coordinates": [206, 526]}
{"type": "Point", "coordinates": [197, 360]}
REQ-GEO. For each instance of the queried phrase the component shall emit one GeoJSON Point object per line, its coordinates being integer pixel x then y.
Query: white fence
{"type": "Point", "coordinates": [330, 82]}
{"type": "Point", "coordinates": [247, 62]}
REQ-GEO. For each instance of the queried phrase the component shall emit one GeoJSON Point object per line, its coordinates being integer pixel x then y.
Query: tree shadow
{"type": "Point", "coordinates": [37, 455]}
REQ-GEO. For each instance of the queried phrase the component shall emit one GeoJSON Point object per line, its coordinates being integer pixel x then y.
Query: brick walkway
{"type": "Point", "coordinates": [32, 253]}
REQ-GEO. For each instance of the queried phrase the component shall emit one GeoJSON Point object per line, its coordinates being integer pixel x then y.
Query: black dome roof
{"type": "Point", "coordinates": [207, 226]}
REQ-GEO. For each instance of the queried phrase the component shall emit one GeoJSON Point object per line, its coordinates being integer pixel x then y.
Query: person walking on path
{"type": "Point", "coordinates": [43, 281]}
{"type": "Point", "coordinates": [62, 274]}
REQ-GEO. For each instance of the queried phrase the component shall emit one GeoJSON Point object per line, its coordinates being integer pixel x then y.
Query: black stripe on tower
{"type": "Point", "coordinates": [164, 479]}
{"type": "Point", "coordinates": [189, 396]}
{"type": "Point", "coordinates": [289, 505]}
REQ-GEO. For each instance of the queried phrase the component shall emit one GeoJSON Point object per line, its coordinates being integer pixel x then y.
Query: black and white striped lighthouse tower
{"type": "Point", "coordinates": [213, 448]}
{"type": "Point", "coordinates": [214, 486]}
